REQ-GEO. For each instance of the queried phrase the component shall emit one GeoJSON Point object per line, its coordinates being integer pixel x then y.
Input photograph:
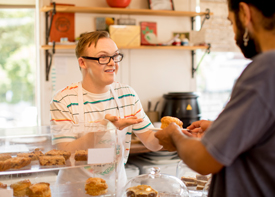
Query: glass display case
{"type": "Point", "coordinates": [196, 183]}
{"type": "Point", "coordinates": [155, 184]}
{"type": "Point", "coordinates": [67, 171]}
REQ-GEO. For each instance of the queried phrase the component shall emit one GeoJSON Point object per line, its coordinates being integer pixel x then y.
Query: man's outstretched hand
{"type": "Point", "coordinates": [124, 122]}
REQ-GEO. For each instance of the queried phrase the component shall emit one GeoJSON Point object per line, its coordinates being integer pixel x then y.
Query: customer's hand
{"type": "Point", "coordinates": [123, 122]}
{"type": "Point", "coordinates": [198, 128]}
{"type": "Point", "coordinates": [165, 136]}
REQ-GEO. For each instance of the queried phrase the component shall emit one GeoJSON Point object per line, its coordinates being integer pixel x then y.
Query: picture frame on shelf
{"type": "Point", "coordinates": [161, 4]}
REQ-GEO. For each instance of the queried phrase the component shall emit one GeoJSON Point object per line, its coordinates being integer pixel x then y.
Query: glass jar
{"type": "Point", "coordinates": [155, 184]}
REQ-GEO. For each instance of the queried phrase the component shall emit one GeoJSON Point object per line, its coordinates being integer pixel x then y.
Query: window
{"type": "Point", "coordinates": [215, 80]}
{"type": "Point", "coordinates": [17, 67]}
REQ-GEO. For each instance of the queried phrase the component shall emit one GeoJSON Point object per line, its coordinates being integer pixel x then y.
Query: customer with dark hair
{"type": "Point", "coordinates": [238, 148]}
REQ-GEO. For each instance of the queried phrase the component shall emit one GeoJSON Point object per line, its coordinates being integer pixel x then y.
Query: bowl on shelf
{"type": "Point", "coordinates": [118, 3]}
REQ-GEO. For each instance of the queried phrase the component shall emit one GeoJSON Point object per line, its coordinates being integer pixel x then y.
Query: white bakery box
{"type": "Point", "coordinates": [101, 158]}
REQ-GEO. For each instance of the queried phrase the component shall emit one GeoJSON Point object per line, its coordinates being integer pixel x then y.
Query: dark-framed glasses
{"type": "Point", "coordinates": [106, 59]}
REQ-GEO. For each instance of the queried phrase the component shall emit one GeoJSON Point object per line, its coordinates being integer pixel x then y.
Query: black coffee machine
{"type": "Point", "coordinates": [183, 105]}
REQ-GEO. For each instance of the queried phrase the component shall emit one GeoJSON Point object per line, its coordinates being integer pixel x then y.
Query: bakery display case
{"type": "Point", "coordinates": [155, 184]}
{"type": "Point", "coordinates": [32, 155]}
{"type": "Point", "coordinates": [196, 183]}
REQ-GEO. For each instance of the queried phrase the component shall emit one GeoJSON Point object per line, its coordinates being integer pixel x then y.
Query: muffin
{"type": "Point", "coordinates": [166, 120]}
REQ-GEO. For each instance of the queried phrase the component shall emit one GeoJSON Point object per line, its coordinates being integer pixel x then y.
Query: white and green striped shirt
{"type": "Point", "coordinates": [64, 109]}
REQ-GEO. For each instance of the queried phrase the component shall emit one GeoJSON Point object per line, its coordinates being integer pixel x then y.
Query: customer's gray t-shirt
{"type": "Point", "coordinates": [242, 138]}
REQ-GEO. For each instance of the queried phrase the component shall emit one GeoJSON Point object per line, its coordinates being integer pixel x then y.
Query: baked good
{"type": "Point", "coordinates": [190, 184]}
{"type": "Point", "coordinates": [33, 156]}
{"type": "Point", "coordinates": [19, 162]}
{"type": "Point", "coordinates": [41, 189]}
{"type": "Point", "coordinates": [202, 177]}
{"type": "Point", "coordinates": [200, 182]}
{"type": "Point", "coordinates": [81, 155]}
{"type": "Point", "coordinates": [141, 191]}
{"type": "Point", "coordinates": [54, 152]}
{"type": "Point", "coordinates": [3, 186]}
{"type": "Point", "coordinates": [166, 120]}
{"type": "Point", "coordinates": [199, 187]}
{"type": "Point", "coordinates": [189, 179]}
{"type": "Point", "coordinates": [96, 186]}
{"type": "Point", "coordinates": [4, 156]}
{"type": "Point", "coordinates": [20, 188]}
{"type": "Point", "coordinates": [5, 165]}
{"type": "Point", "coordinates": [51, 160]}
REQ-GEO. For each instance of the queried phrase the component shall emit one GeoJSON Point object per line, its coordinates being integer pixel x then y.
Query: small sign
{"type": "Point", "coordinates": [101, 155]}
{"type": "Point", "coordinates": [188, 107]}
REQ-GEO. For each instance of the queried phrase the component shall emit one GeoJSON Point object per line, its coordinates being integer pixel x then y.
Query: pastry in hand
{"type": "Point", "coordinates": [54, 152]}
{"type": "Point", "coordinates": [96, 186]}
{"type": "Point", "coordinates": [166, 120]}
{"type": "Point", "coordinates": [41, 189]}
{"type": "Point", "coordinates": [142, 191]}
{"type": "Point", "coordinates": [20, 188]}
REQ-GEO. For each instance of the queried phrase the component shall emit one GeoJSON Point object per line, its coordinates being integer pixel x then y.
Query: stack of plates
{"type": "Point", "coordinates": [160, 157]}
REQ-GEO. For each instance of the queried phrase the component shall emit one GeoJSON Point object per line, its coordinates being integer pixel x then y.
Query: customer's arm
{"type": "Point", "coordinates": [190, 150]}
{"type": "Point", "coordinates": [149, 140]}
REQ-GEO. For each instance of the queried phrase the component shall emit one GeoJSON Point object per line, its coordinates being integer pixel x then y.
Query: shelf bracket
{"type": "Point", "coordinates": [207, 51]}
{"type": "Point", "coordinates": [48, 55]}
{"type": "Point", "coordinates": [206, 16]}
{"type": "Point", "coordinates": [49, 63]}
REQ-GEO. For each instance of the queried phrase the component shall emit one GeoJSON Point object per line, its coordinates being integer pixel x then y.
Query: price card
{"type": "Point", "coordinates": [101, 155]}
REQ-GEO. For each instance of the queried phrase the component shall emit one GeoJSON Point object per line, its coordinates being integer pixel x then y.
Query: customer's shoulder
{"type": "Point", "coordinates": [266, 58]}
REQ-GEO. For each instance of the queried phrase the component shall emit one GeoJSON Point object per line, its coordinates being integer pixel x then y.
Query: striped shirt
{"type": "Point", "coordinates": [64, 110]}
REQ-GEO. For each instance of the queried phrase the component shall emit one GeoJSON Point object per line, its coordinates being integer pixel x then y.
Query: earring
{"type": "Point", "coordinates": [245, 37]}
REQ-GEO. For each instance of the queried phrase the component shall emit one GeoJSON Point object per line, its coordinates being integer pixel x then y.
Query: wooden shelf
{"type": "Point", "coordinates": [107, 10]}
{"type": "Point", "coordinates": [46, 47]}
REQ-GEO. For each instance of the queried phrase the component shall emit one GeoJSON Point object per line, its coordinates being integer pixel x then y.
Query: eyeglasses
{"type": "Point", "coordinates": [106, 59]}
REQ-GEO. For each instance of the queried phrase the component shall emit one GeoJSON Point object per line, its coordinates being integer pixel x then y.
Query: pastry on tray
{"type": "Point", "coordinates": [81, 155]}
{"type": "Point", "coordinates": [5, 165]}
{"type": "Point", "coordinates": [96, 186]}
{"type": "Point", "coordinates": [54, 152]}
{"type": "Point", "coordinates": [41, 189]}
{"type": "Point", "coordinates": [166, 120]}
{"type": "Point", "coordinates": [4, 156]}
{"type": "Point", "coordinates": [141, 191]}
{"type": "Point", "coordinates": [3, 186]}
{"type": "Point", "coordinates": [51, 160]}
{"type": "Point", "coordinates": [20, 188]}
{"type": "Point", "coordinates": [19, 162]}
{"type": "Point", "coordinates": [32, 155]}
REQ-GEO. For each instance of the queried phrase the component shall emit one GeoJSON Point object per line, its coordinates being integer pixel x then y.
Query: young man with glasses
{"type": "Point", "coordinates": [98, 96]}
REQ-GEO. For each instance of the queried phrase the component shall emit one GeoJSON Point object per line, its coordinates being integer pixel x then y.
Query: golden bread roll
{"type": "Point", "coordinates": [166, 120]}
{"type": "Point", "coordinates": [20, 188]}
{"type": "Point", "coordinates": [96, 186]}
{"type": "Point", "coordinates": [41, 189]}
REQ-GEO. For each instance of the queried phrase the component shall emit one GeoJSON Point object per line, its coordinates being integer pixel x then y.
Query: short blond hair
{"type": "Point", "coordinates": [86, 39]}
